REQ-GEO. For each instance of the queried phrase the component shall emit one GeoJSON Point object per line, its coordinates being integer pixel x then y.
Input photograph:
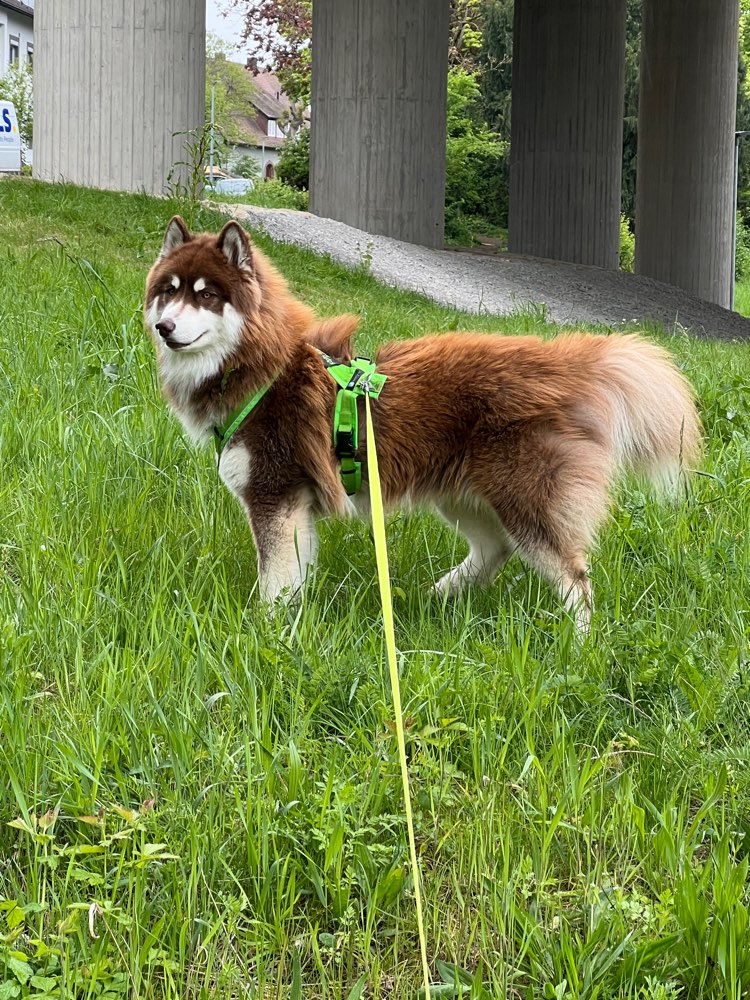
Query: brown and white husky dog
{"type": "Point", "coordinates": [515, 440]}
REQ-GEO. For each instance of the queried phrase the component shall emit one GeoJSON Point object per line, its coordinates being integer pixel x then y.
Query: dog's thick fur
{"type": "Point", "coordinates": [515, 440]}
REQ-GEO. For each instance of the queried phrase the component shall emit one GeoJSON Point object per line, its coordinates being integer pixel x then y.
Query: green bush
{"type": "Point", "coordinates": [247, 166]}
{"type": "Point", "coordinates": [476, 169]}
{"type": "Point", "coordinates": [294, 163]}
{"type": "Point", "coordinates": [742, 253]}
{"type": "Point", "coordinates": [266, 194]}
{"type": "Point", "coordinates": [627, 246]}
{"type": "Point", "coordinates": [476, 179]}
{"type": "Point", "coordinates": [459, 228]}
{"type": "Point", "coordinates": [276, 194]}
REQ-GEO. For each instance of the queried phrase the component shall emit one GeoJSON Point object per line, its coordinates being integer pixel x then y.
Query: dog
{"type": "Point", "coordinates": [515, 440]}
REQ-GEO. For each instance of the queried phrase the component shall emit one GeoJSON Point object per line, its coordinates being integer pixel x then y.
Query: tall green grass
{"type": "Point", "coordinates": [742, 297]}
{"type": "Point", "coordinates": [200, 800]}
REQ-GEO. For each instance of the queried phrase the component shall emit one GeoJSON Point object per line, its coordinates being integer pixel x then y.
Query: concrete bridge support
{"type": "Point", "coordinates": [114, 81]}
{"type": "Point", "coordinates": [566, 129]}
{"type": "Point", "coordinates": [686, 123]}
{"type": "Point", "coordinates": [377, 158]}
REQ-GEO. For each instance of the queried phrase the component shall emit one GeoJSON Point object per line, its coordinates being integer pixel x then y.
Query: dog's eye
{"type": "Point", "coordinates": [205, 294]}
{"type": "Point", "coordinates": [170, 290]}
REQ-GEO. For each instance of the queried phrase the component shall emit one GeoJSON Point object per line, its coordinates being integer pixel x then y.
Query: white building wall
{"type": "Point", "coordinates": [116, 82]}
{"type": "Point", "coordinates": [14, 24]}
{"type": "Point", "coordinates": [261, 156]}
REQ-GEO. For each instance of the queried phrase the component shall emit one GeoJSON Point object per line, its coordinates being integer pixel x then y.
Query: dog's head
{"type": "Point", "coordinates": [199, 291]}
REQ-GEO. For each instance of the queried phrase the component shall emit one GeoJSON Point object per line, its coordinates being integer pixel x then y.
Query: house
{"type": "Point", "coordinates": [264, 128]}
{"type": "Point", "coordinates": [16, 34]}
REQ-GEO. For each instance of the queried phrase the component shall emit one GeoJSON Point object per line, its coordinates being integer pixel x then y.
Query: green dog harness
{"type": "Point", "coordinates": [354, 380]}
{"type": "Point", "coordinates": [223, 432]}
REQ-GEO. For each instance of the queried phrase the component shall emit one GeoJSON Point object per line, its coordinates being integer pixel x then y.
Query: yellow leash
{"type": "Point", "coordinates": [381, 556]}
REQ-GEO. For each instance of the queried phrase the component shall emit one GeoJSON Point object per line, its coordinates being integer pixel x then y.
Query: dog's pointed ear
{"type": "Point", "coordinates": [177, 233]}
{"type": "Point", "coordinates": [235, 244]}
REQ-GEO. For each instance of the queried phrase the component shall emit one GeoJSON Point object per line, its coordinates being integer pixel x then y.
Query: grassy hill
{"type": "Point", "coordinates": [200, 800]}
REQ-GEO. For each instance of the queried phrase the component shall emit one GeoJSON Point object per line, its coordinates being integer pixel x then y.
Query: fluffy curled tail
{"type": "Point", "coordinates": [655, 427]}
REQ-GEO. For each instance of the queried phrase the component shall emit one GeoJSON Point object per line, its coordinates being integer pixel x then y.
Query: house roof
{"type": "Point", "coordinates": [269, 106]}
{"type": "Point", "coordinates": [270, 84]}
{"type": "Point", "coordinates": [251, 134]}
{"type": "Point", "coordinates": [268, 98]}
{"type": "Point", "coordinates": [18, 6]}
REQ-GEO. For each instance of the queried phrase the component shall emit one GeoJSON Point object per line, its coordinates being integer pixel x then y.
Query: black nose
{"type": "Point", "coordinates": [165, 327]}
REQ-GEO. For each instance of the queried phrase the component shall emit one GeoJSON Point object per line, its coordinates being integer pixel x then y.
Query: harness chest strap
{"type": "Point", "coordinates": [223, 432]}
{"type": "Point", "coordinates": [354, 380]}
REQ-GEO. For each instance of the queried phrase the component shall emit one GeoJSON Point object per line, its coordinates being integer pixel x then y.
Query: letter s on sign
{"type": "Point", "coordinates": [6, 119]}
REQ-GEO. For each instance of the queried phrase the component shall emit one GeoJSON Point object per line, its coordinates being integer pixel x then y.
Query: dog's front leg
{"type": "Point", "coordinates": [286, 542]}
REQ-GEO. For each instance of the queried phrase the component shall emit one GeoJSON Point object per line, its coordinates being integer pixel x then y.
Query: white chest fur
{"type": "Point", "coordinates": [197, 430]}
{"type": "Point", "coordinates": [234, 468]}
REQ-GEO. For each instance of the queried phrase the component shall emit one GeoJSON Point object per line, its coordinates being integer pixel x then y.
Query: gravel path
{"type": "Point", "coordinates": [501, 283]}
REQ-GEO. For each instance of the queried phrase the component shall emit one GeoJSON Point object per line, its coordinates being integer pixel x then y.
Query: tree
{"type": "Point", "coordinates": [465, 37]}
{"type": "Point", "coordinates": [17, 86]}
{"type": "Point", "coordinates": [294, 162]}
{"type": "Point", "coordinates": [496, 64]}
{"type": "Point", "coordinates": [233, 90]}
{"type": "Point", "coordinates": [476, 169]}
{"type": "Point", "coordinates": [280, 31]}
{"type": "Point", "coordinates": [743, 116]}
{"type": "Point", "coordinates": [247, 166]}
{"type": "Point", "coordinates": [294, 119]}
{"type": "Point", "coordinates": [630, 117]}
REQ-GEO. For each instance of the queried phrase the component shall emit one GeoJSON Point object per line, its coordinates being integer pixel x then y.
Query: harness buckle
{"type": "Point", "coordinates": [346, 445]}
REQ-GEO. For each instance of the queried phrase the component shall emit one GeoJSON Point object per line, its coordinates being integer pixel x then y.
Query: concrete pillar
{"type": "Point", "coordinates": [377, 157]}
{"type": "Point", "coordinates": [566, 129]}
{"type": "Point", "coordinates": [113, 81]}
{"type": "Point", "coordinates": [686, 122]}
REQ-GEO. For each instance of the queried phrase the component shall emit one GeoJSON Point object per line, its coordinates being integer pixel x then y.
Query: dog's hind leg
{"type": "Point", "coordinates": [286, 543]}
{"type": "Point", "coordinates": [553, 538]}
{"type": "Point", "coordinates": [489, 544]}
{"type": "Point", "coordinates": [552, 508]}
{"type": "Point", "coordinates": [569, 576]}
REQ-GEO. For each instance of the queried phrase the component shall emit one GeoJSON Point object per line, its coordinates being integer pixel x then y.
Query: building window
{"type": "Point", "coordinates": [15, 49]}
{"type": "Point", "coordinates": [274, 129]}
{"type": "Point", "coordinates": [30, 55]}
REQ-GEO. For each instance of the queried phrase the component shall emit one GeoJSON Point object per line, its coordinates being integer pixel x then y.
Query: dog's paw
{"type": "Point", "coordinates": [447, 586]}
